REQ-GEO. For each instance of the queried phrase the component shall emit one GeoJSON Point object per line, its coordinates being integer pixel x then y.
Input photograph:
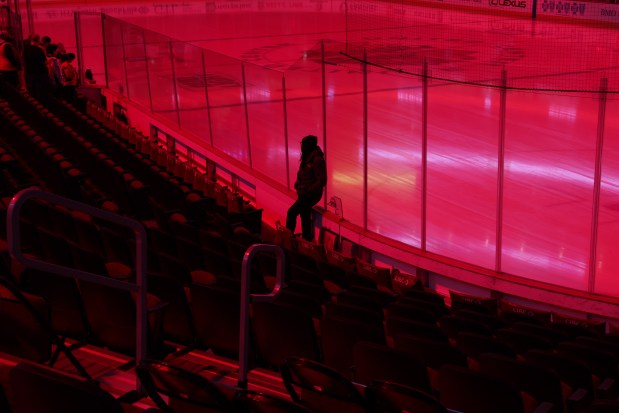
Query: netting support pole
{"type": "Point", "coordinates": [176, 101]}
{"type": "Point", "coordinates": [323, 72]}
{"type": "Point", "coordinates": [534, 10]}
{"type": "Point", "coordinates": [79, 47]}
{"type": "Point", "coordinates": [365, 140]}
{"type": "Point", "coordinates": [208, 103]}
{"type": "Point", "coordinates": [597, 181]}
{"type": "Point", "coordinates": [125, 91]}
{"type": "Point", "coordinates": [30, 18]}
{"type": "Point", "coordinates": [346, 24]}
{"type": "Point", "coordinates": [424, 153]}
{"type": "Point", "coordinates": [246, 115]}
{"type": "Point", "coordinates": [147, 70]}
{"type": "Point", "coordinates": [286, 138]}
{"type": "Point", "coordinates": [105, 59]}
{"type": "Point", "coordinates": [500, 173]}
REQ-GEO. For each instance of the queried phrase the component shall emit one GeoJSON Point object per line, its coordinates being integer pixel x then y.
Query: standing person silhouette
{"type": "Point", "coordinates": [10, 64]}
{"type": "Point", "coordinates": [311, 179]}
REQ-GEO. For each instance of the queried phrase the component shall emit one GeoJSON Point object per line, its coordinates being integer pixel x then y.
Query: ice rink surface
{"type": "Point", "coordinates": [551, 137]}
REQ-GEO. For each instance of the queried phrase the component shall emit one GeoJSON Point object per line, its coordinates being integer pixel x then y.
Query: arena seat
{"type": "Point", "coordinates": [387, 397]}
{"type": "Point", "coordinates": [465, 390]}
{"type": "Point", "coordinates": [282, 331]}
{"type": "Point", "coordinates": [320, 388]}
{"type": "Point", "coordinates": [35, 388]}
{"type": "Point", "coordinates": [373, 361]}
{"type": "Point", "coordinates": [185, 391]}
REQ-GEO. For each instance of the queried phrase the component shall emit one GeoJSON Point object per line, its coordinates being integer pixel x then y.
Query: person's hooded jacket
{"type": "Point", "coordinates": [312, 174]}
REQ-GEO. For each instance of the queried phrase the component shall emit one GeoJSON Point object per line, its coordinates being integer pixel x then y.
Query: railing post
{"type": "Point", "coordinates": [30, 17]}
{"type": "Point", "coordinates": [105, 61]}
{"type": "Point", "coordinates": [175, 100]}
{"type": "Point", "coordinates": [424, 154]}
{"type": "Point", "coordinates": [141, 303]}
{"type": "Point", "coordinates": [286, 138]}
{"type": "Point", "coordinates": [364, 66]}
{"type": "Point", "coordinates": [325, 148]}
{"type": "Point", "coordinates": [150, 93]}
{"type": "Point", "coordinates": [140, 287]}
{"type": "Point", "coordinates": [597, 182]}
{"type": "Point", "coordinates": [208, 103]}
{"type": "Point", "coordinates": [122, 42]}
{"type": "Point", "coordinates": [500, 173]}
{"type": "Point", "coordinates": [246, 115]}
{"type": "Point", "coordinates": [79, 46]}
{"type": "Point", "coordinates": [245, 299]}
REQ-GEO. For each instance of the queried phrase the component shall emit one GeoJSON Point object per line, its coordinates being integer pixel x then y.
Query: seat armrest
{"type": "Point", "coordinates": [578, 401]}
{"type": "Point", "coordinates": [607, 389]}
{"type": "Point", "coordinates": [157, 307]}
{"type": "Point", "coordinates": [544, 407]}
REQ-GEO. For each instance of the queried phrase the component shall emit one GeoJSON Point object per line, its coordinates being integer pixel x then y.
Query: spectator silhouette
{"type": "Point", "coordinates": [311, 179]}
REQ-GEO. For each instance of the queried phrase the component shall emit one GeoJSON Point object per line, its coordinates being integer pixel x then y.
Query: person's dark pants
{"type": "Point", "coordinates": [303, 207]}
{"type": "Point", "coordinates": [67, 93]}
{"type": "Point", "coordinates": [38, 86]}
{"type": "Point", "coordinates": [11, 77]}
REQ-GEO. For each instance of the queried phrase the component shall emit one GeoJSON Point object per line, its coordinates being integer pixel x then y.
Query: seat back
{"type": "Point", "coordinates": [413, 313]}
{"type": "Point", "coordinates": [386, 397]}
{"type": "Point", "coordinates": [571, 371]}
{"type": "Point", "coordinates": [353, 313]}
{"type": "Point", "coordinates": [554, 335]}
{"type": "Point", "coordinates": [186, 391]}
{"type": "Point", "coordinates": [111, 314]}
{"type": "Point", "coordinates": [178, 323]}
{"type": "Point", "coordinates": [55, 248]}
{"type": "Point", "coordinates": [603, 406]}
{"type": "Point", "coordinates": [522, 341]}
{"type": "Point", "coordinates": [426, 301]}
{"type": "Point", "coordinates": [24, 324]}
{"type": "Point", "coordinates": [4, 387]}
{"type": "Point", "coordinates": [36, 388]}
{"type": "Point", "coordinates": [253, 402]}
{"type": "Point", "coordinates": [492, 321]}
{"type": "Point", "coordinates": [605, 343]}
{"type": "Point", "coordinates": [319, 387]}
{"type": "Point", "coordinates": [461, 301]}
{"type": "Point", "coordinates": [339, 335]}
{"type": "Point", "coordinates": [64, 299]}
{"type": "Point", "coordinates": [399, 326]}
{"type": "Point", "coordinates": [602, 363]}
{"type": "Point", "coordinates": [282, 331]}
{"type": "Point", "coordinates": [541, 383]}
{"type": "Point", "coordinates": [453, 324]}
{"type": "Point", "coordinates": [379, 362]}
{"type": "Point", "coordinates": [474, 345]}
{"type": "Point", "coordinates": [301, 302]}
{"type": "Point", "coordinates": [465, 390]}
{"type": "Point", "coordinates": [433, 353]}
{"type": "Point", "coordinates": [216, 314]}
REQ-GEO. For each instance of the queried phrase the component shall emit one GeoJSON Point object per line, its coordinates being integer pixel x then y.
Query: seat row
{"type": "Point", "coordinates": [500, 385]}
{"type": "Point", "coordinates": [139, 185]}
{"type": "Point", "coordinates": [184, 391]}
{"type": "Point", "coordinates": [176, 173]}
{"type": "Point", "coordinates": [354, 301]}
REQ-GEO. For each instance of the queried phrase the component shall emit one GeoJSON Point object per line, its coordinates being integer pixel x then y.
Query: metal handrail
{"type": "Point", "coordinates": [139, 287]}
{"type": "Point", "coordinates": [246, 297]}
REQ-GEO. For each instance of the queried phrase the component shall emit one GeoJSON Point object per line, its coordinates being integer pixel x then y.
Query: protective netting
{"type": "Point", "coordinates": [480, 45]}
